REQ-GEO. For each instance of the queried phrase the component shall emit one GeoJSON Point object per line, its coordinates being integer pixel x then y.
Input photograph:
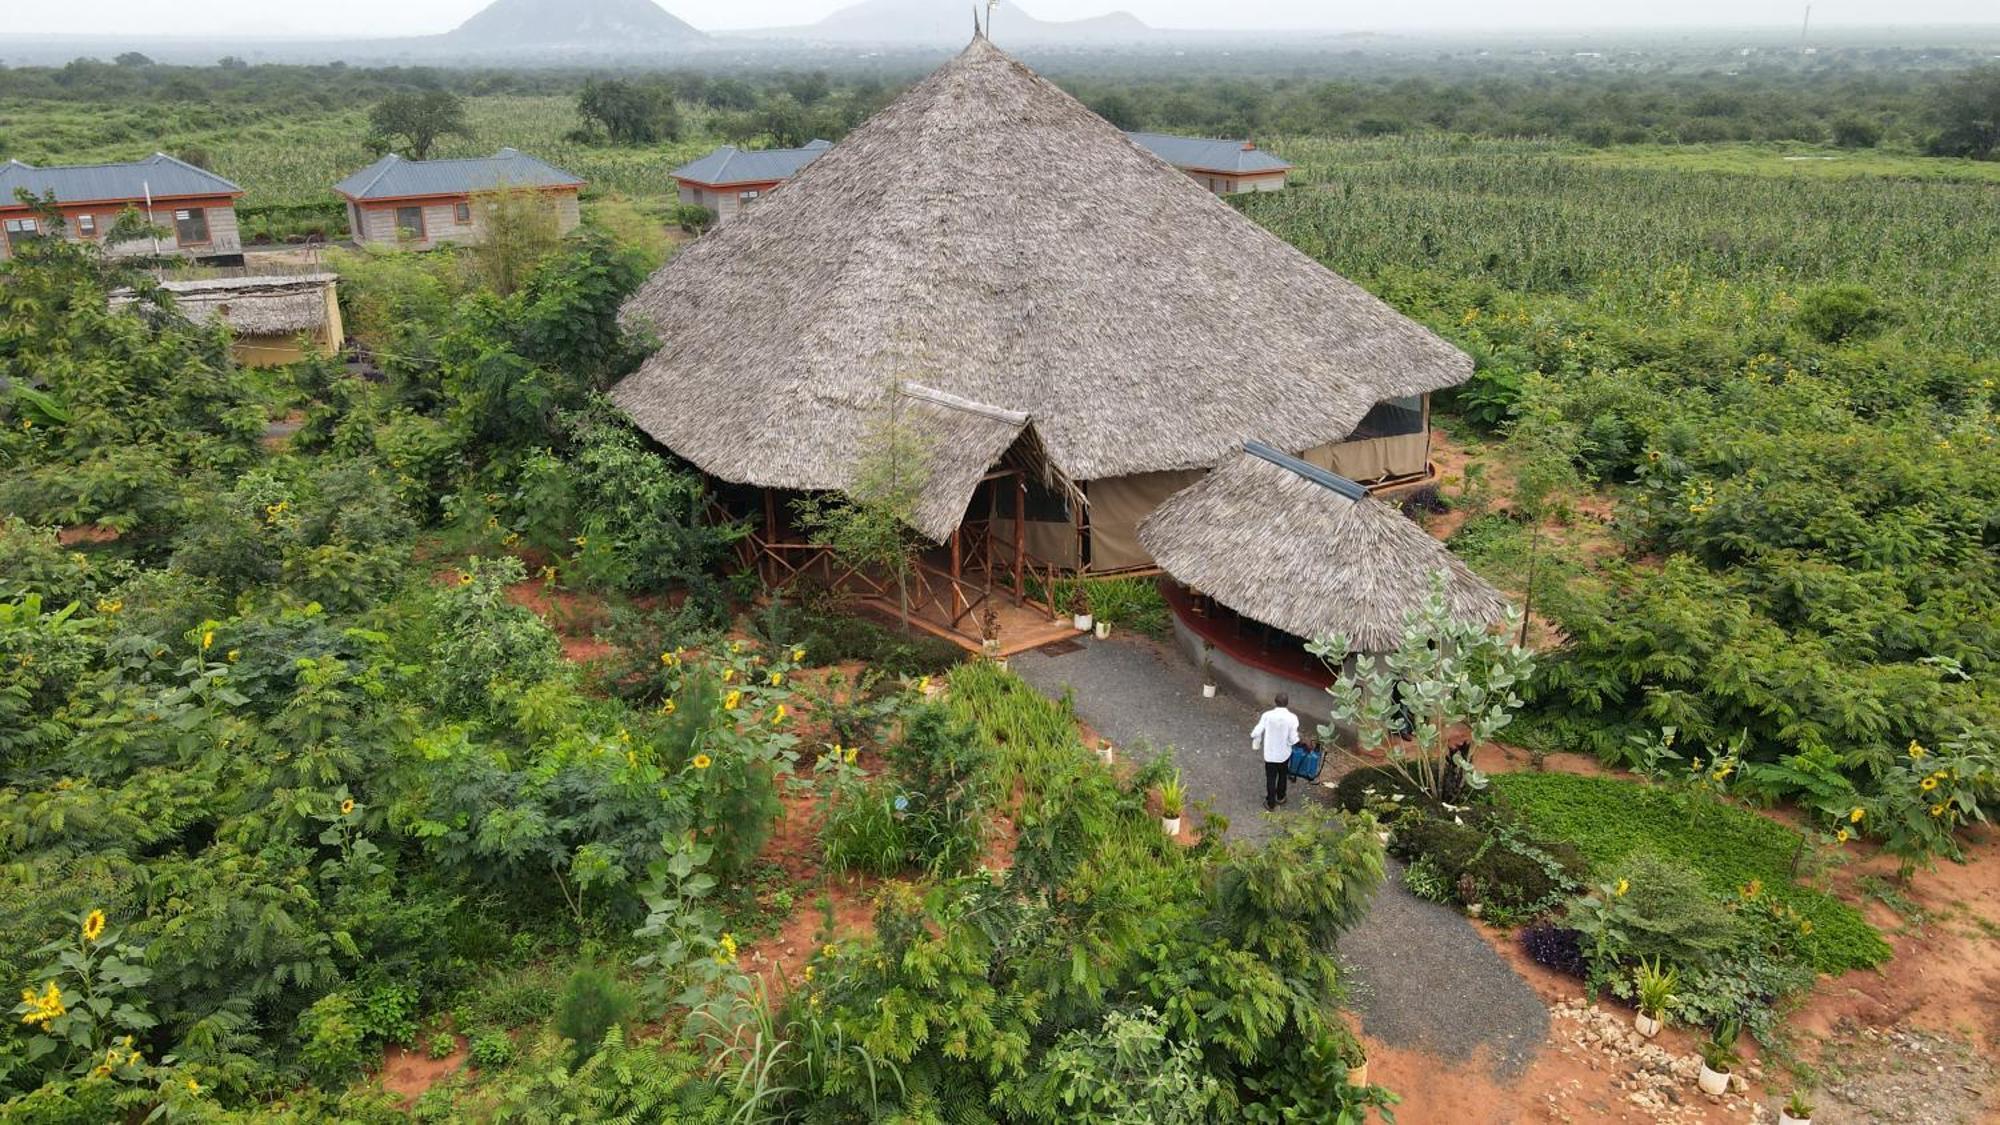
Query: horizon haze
{"type": "Point", "coordinates": [367, 19]}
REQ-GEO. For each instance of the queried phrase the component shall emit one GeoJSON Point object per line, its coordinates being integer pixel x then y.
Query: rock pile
{"type": "Point", "coordinates": [1658, 1084]}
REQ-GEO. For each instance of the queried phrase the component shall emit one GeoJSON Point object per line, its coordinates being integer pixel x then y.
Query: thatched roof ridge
{"type": "Point", "coordinates": [988, 236]}
{"type": "Point", "coordinates": [1265, 536]}
{"type": "Point", "coordinates": [277, 305]}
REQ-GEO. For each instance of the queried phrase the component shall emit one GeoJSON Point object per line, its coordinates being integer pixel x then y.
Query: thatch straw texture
{"type": "Point", "coordinates": [252, 306]}
{"type": "Point", "coordinates": [1277, 546]}
{"type": "Point", "coordinates": [959, 440]}
{"type": "Point", "coordinates": [989, 236]}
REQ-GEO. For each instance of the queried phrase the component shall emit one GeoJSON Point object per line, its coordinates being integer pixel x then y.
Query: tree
{"type": "Point", "coordinates": [518, 231]}
{"type": "Point", "coordinates": [870, 524]}
{"type": "Point", "coordinates": [1546, 447]}
{"type": "Point", "coordinates": [1967, 114]}
{"type": "Point", "coordinates": [1854, 131]}
{"type": "Point", "coordinates": [630, 113]}
{"type": "Point", "coordinates": [1453, 678]}
{"type": "Point", "coordinates": [417, 120]}
{"type": "Point", "coordinates": [132, 58]}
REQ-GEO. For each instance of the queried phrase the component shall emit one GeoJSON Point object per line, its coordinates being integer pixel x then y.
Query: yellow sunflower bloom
{"type": "Point", "coordinates": [193, 1086]}
{"type": "Point", "coordinates": [1623, 886]}
{"type": "Point", "coordinates": [667, 658]}
{"type": "Point", "coordinates": [852, 753]}
{"type": "Point", "coordinates": [777, 678]}
{"type": "Point", "coordinates": [1916, 751]}
{"type": "Point", "coordinates": [798, 654]}
{"type": "Point", "coordinates": [728, 675]}
{"type": "Point", "coordinates": [1840, 836]}
{"type": "Point", "coordinates": [1937, 810]}
{"type": "Point", "coordinates": [731, 701]}
{"type": "Point", "coordinates": [1805, 925]}
{"type": "Point", "coordinates": [1855, 816]}
{"type": "Point", "coordinates": [1927, 784]}
{"type": "Point", "coordinates": [207, 639]}
{"type": "Point", "coordinates": [778, 716]}
{"type": "Point", "coordinates": [347, 807]}
{"type": "Point", "coordinates": [669, 707]}
{"type": "Point", "coordinates": [93, 925]}
{"type": "Point", "coordinates": [703, 761]}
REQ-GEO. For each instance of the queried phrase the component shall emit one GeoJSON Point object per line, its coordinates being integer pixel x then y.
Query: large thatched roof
{"type": "Point", "coordinates": [988, 236]}
{"type": "Point", "coordinates": [1299, 549]}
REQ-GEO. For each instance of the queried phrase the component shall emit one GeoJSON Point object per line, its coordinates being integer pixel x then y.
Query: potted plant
{"type": "Point", "coordinates": [1797, 1111]}
{"type": "Point", "coordinates": [1207, 671]}
{"type": "Point", "coordinates": [989, 632]}
{"type": "Point", "coordinates": [1079, 608]}
{"type": "Point", "coordinates": [1105, 753]}
{"type": "Point", "coordinates": [1718, 1058]}
{"type": "Point", "coordinates": [1355, 1055]}
{"type": "Point", "coordinates": [1173, 797]}
{"type": "Point", "coordinates": [1656, 984]}
{"type": "Point", "coordinates": [1103, 630]}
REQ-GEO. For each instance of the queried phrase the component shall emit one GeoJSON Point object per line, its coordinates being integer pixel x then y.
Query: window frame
{"type": "Point", "coordinates": [19, 230]}
{"type": "Point", "coordinates": [183, 217]}
{"type": "Point", "coordinates": [415, 233]}
{"type": "Point", "coordinates": [461, 213]}
{"type": "Point", "coordinates": [86, 226]}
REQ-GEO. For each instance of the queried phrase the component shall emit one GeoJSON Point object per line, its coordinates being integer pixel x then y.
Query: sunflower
{"type": "Point", "coordinates": [798, 655]}
{"type": "Point", "coordinates": [1805, 926]}
{"type": "Point", "coordinates": [852, 752]}
{"type": "Point", "coordinates": [667, 659]}
{"type": "Point", "coordinates": [1840, 836]}
{"type": "Point", "coordinates": [93, 925]}
{"type": "Point", "coordinates": [1855, 816]}
{"type": "Point", "coordinates": [703, 761]}
{"type": "Point", "coordinates": [1916, 750]}
{"type": "Point", "coordinates": [728, 675]}
{"type": "Point", "coordinates": [207, 639]}
{"type": "Point", "coordinates": [1937, 810]}
{"type": "Point", "coordinates": [778, 716]}
{"type": "Point", "coordinates": [1927, 784]}
{"type": "Point", "coordinates": [731, 701]}
{"type": "Point", "coordinates": [777, 678]}
{"type": "Point", "coordinates": [1623, 886]}
{"type": "Point", "coordinates": [193, 1086]}
{"type": "Point", "coordinates": [669, 707]}
{"type": "Point", "coordinates": [347, 807]}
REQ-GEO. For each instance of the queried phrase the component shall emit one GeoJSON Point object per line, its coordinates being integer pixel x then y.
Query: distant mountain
{"type": "Point", "coordinates": [573, 24]}
{"type": "Point", "coordinates": [949, 22]}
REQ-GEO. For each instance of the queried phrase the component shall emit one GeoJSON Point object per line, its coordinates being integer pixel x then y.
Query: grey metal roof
{"type": "Point", "coordinates": [732, 165]}
{"type": "Point", "coordinates": [394, 177]}
{"type": "Point", "coordinates": [164, 176]}
{"type": "Point", "coordinates": [1241, 157]}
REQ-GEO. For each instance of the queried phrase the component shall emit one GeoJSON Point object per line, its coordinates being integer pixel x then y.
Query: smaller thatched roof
{"type": "Point", "coordinates": [1302, 550]}
{"type": "Point", "coordinates": [251, 306]}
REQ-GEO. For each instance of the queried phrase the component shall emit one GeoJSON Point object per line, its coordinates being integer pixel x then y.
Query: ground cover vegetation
{"type": "Point", "coordinates": [295, 773]}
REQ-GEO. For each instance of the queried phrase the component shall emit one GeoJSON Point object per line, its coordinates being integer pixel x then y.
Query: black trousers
{"type": "Point", "coordinates": [1276, 776]}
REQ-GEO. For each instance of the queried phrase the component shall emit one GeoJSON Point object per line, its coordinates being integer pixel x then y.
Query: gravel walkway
{"type": "Point", "coordinates": [1426, 979]}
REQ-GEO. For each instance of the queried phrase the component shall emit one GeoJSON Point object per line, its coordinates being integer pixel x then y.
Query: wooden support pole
{"type": "Point", "coordinates": [1021, 539]}
{"type": "Point", "coordinates": [957, 597]}
{"type": "Point", "coordinates": [770, 531]}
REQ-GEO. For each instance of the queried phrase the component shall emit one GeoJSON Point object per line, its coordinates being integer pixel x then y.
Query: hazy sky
{"type": "Point", "coordinates": [414, 17]}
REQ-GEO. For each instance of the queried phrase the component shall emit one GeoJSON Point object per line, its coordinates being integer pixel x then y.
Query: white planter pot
{"type": "Point", "coordinates": [1082, 622]}
{"type": "Point", "coordinates": [1208, 691]}
{"type": "Point", "coordinates": [1000, 662]}
{"type": "Point", "coordinates": [1787, 1119]}
{"type": "Point", "coordinates": [1107, 754]}
{"type": "Point", "coordinates": [1357, 1075]}
{"type": "Point", "coordinates": [1713, 1081]}
{"type": "Point", "coordinates": [1646, 1025]}
{"type": "Point", "coordinates": [1171, 825]}
{"type": "Point", "coordinates": [1103, 630]}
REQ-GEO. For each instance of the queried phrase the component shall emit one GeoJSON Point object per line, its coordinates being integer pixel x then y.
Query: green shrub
{"type": "Point", "coordinates": [943, 773]}
{"type": "Point", "coordinates": [1132, 603]}
{"type": "Point", "coordinates": [1610, 820]}
{"type": "Point", "coordinates": [479, 640]}
{"type": "Point", "coordinates": [330, 1035]}
{"type": "Point", "coordinates": [1835, 314]}
{"type": "Point", "coordinates": [492, 1047]}
{"type": "Point", "coordinates": [862, 831]}
{"type": "Point", "coordinates": [593, 1002]}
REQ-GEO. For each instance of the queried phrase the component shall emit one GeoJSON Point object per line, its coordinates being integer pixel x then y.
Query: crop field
{"type": "Point", "coordinates": [1652, 237]}
{"type": "Point", "coordinates": [293, 157]}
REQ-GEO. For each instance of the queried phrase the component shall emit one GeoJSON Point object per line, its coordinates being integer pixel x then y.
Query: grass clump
{"type": "Point", "coordinates": [1611, 821]}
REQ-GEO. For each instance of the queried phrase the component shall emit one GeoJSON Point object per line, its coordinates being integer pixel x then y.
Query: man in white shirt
{"type": "Point", "coordinates": [1276, 732]}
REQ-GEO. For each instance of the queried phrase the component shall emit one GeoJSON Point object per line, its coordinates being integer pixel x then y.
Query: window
{"type": "Point", "coordinates": [747, 196]}
{"type": "Point", "coordinates": [461, 213]}
{"type": "Point", "coordinates": [410, 222]}
{"type": "Point", "coordinates": [86, 226]}
{"type": "Point", "coordinates": [191, 227]}
{"type": "Point", "coordinates": [1396, 418]}
{"type": "Point", "coordinates": [22, 230]}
